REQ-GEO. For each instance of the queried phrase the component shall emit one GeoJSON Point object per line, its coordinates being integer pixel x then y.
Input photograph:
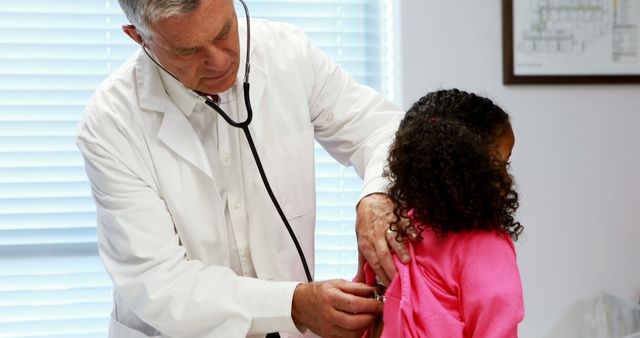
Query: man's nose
{"type": "Point", "coordinates": [216, 58]}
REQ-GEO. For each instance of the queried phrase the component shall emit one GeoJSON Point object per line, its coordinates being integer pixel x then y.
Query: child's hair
{"type": "Point", "coordinates": [443, 165]}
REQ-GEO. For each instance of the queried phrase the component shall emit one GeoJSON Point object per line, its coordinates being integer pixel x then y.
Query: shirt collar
{"type": "Point", "coordinates": [184, 98]}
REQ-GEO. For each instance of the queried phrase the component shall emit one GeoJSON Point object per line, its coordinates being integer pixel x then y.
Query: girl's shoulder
{"type": "Point", "coordinates": [475, 238]}
{"type": "Point", "coordinates": [480, 255]}
{"type": "Point", "coordinates": [457, 247]}
{"type": "Point", "coordinates": [484, 237]}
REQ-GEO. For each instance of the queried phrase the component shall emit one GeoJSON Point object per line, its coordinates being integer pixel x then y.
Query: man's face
{"type": "Point", "coordinates": [200, 48]}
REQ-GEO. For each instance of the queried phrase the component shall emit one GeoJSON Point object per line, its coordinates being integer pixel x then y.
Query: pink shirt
{"type": "Point", "coordinates": [462, 285]}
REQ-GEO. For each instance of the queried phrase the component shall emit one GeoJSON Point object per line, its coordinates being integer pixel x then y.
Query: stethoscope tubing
{"type": "Point", "coordinates": [245, 128]}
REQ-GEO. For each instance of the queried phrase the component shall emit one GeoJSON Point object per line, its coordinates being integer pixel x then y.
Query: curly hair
{"type": "Point", "coordinates": [443, 166]}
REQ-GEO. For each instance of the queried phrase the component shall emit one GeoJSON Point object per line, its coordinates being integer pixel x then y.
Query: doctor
{"type": "Point", "coordinates": [186, 229]}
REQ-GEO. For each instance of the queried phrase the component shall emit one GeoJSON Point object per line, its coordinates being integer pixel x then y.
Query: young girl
{"type": "Point", "coordinates": [448, 167]}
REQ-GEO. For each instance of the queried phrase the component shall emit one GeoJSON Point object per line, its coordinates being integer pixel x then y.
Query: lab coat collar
{"type": "Point", "coordinates": [183, 98]}
{"type": "Point", "coordinates": [151, 93]}
{"type": "Point", "coordinates": [175, 131]}
{"type": "Point", "coordinates": [167, 95]}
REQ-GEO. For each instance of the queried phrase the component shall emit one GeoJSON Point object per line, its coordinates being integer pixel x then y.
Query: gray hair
{"type": "Point", "coordinates": [144, 13]}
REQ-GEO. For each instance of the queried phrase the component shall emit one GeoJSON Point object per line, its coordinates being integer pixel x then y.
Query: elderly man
{"type": "Point", "coordinates": [186, 229]}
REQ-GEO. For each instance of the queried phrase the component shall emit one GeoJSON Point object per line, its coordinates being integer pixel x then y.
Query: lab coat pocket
{"type": "Point", "coordinates": [290, 169]}
{"type": "Point", "coordinates": [119, 330]}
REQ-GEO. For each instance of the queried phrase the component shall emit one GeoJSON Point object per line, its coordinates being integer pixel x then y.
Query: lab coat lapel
{"type": "Point", "coordinates": [175, 131]}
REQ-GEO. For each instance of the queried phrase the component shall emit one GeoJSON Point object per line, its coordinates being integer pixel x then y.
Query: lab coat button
{"type": "Point", "coordinates": [236, 205]}
{"type": "Point", "coordinates": [226, 160]}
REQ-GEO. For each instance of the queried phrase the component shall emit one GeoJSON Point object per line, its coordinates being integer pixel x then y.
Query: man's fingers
{"type": "Point", "coordinates": [370, 254]}
{"type": "Point", "coordinates": [354, 304]}
{"type": "Point", "coordinates": [374, 214]}
{"type": "Point", "coordinates": [354, 321]}
{"type": "Point", "coordinates": [411, 232]}
{"type": "Point", "coordinates": [378, 270]}
{"type": "Point", "coordinates": [356, 298]}
{"type": "Point", "coordinates": [360, 275]}
{"type": "Point", "coordinates": [399, 247]}
{"type": "Point", "coordinates": [354, 309]}
{"type": "Point", "coordinates": [387, 269]}
{"type": "Point", "coordinates": [356, 289]}
{"type": "Point", "coordinates": [334, 308]}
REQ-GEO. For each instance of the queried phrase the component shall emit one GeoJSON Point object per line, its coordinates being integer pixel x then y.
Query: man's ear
{"type": "Point", "coordinates": [132, 32]}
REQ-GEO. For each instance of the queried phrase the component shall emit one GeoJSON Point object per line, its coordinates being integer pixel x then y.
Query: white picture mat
{"type": "Point", "coordinates": [576, 37]}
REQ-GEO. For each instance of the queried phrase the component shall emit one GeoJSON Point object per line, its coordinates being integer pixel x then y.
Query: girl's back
{"type": "Point", "coordinates": [464, 284]}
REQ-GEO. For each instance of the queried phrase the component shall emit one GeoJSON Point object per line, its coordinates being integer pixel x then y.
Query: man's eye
{"type": "Point", "coordinates": [186, 52]}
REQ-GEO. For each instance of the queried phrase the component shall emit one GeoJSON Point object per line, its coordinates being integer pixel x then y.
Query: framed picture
{"type": "Point", "coordinates": [571, 41]}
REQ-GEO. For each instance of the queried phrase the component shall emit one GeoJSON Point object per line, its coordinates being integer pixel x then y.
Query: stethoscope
{"type": "Point", "coordinates": [244, 125]}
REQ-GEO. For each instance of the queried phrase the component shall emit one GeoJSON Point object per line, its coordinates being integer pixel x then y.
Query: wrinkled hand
{"type": "Point", "coordinates": [374, 214]}
{"type": "Point", "coordinates": [334, 308]}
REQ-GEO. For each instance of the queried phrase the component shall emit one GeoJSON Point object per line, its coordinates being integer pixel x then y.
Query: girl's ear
{"type": "Point", "coordinates": [132, 32]}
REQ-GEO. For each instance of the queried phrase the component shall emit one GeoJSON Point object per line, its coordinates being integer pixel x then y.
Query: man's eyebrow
{"type": "Point", "coordinates": [225, 29]}
{"type": "Point", "coordinates": [223, 32]}
{"type": "Point", "coordinates": [183, 50]}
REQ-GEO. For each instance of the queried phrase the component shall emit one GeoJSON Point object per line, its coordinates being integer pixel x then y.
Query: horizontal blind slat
{"type": "Point", "coordinates": [66, 220]}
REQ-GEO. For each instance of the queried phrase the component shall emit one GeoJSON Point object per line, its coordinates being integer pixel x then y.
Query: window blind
{"type": "Point", "coordinates": [53, 54]}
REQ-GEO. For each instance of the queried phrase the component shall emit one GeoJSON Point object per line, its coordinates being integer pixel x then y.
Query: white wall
{"type": "Point", "coordinates": [576, 161]}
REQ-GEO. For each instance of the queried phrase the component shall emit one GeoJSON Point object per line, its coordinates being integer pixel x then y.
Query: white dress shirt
{"type": "Point", "coordinates": [220, 141]}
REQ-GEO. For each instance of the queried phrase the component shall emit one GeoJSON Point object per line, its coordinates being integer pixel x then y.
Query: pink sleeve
{"type": "Point", "coordinates": [491, 290]}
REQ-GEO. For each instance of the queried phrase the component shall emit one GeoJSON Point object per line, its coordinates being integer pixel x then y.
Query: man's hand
{"type": "Point", "coordinates": [334, 308]}
{"type": "Point", "coordinates": [374, 214]}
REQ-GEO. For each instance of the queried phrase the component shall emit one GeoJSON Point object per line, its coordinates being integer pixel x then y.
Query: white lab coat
{"type": "Point", "coordinates": [161, 229]}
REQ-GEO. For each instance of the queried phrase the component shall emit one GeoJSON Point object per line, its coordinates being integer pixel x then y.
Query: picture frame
{"type": "Point", "coordinates": [571, 41]}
